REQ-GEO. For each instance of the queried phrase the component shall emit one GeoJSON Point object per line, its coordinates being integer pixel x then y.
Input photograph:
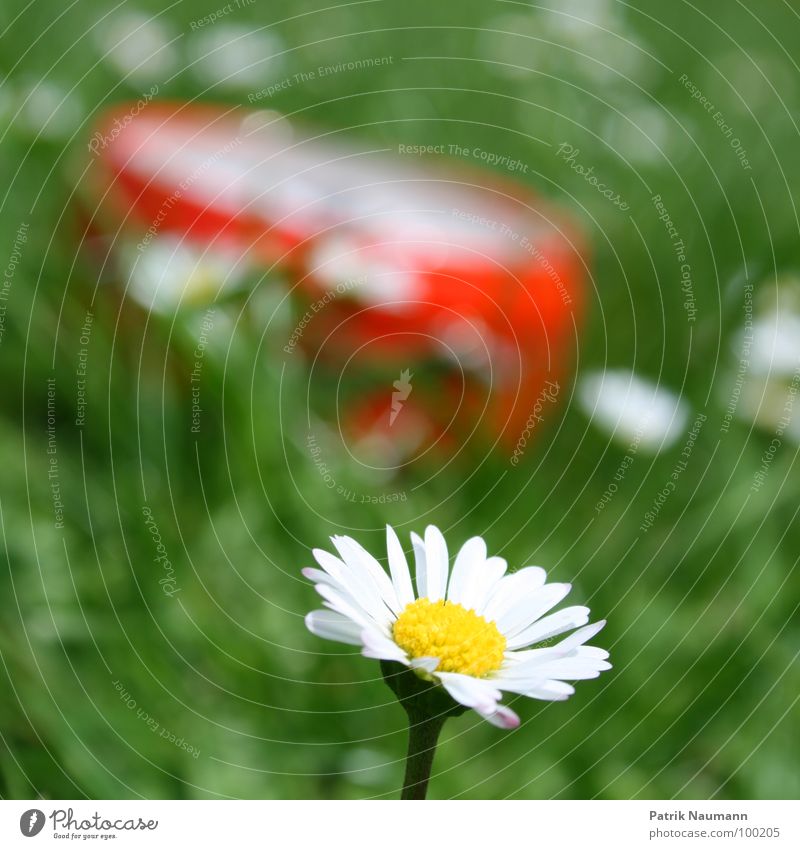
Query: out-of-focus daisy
{"type": "Point", "coordinates": [640, 133]}
{"type": "Point", "coordinates": [631, 408]}
{"type": "Point", "coordinates": [767, 348]}
{"type": "Point", "coordinates": [49, 111]}
{"type": "Point", "coordinates": [474, 630]}
{"type": "Point", "coordinates": [169, 272]}
{"type": "Point", "coordinates": [776, 343]}
{"type": "Point", "coordinates": [234, 56]}
{"type": "Point", "coordinates": [138, 45]}
{"type": "Point", "coordinates": [582, 18]}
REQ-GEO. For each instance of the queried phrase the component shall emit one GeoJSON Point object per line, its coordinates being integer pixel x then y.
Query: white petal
{"type": "Point", "coordinates": [478, 693]}
{"type": "Point", "coordinates": [334, 626]}
{"type": "Point", "coordinates": [484, 581]}
{"type": "Point", "coordinates": [559, 687]}
{"type": "Point", "coordinates": [502, 717]}
{"type": "Point", "coordinates": [575, 670]}
{"type": "Point", "coordinates": [550, 663]}
{"type": "Point", "coordinates": [581, 636]}
{"type": "Point", "coordinates": [593, 651]}
{"type": "Point", "coordinates": [341, 604]}
{"type": "Point", "coordinates": [352, 581]}
{"type": "Point", "coordinates": [551, 626]}
{"type": "Point", "coordinates": [531, 684]}
{"type": "Point", "coordinates": [319, 577]}
{"type": "Point", "coordinates": [437, 563]}
{"type": "Point", "coordinates": [530, 607]}
{"type": "Point", "coordinates": [521, 662]}
{"type": "Point", "coordinates": [429, 664]}
{"type": "Point", "coordinates": [420, 565]}
{"type": "Point", "coordinates": [551, 691]}
{"type": "Point", "coordinates": [398, 566]}
{"type": "Point", "coordinates": [354, 553]}
{"type": "Point", "coordinates": [511, 589]}
{"type": "Point", "coordinates": [330, 563]}
{"type": "Point", "coordinates": [518, 685]}
{"type": "Point", "coordinates": [469, 561]}
{"type": "Point", "coordinates": [380, 647]}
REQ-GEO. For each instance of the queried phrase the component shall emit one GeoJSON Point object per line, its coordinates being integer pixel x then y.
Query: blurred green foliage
{"type": "Point", "coordinates": [702, 609]}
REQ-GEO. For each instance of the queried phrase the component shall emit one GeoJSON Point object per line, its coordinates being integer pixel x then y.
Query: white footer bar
{"type": "Point", "coordinates": [401, 825]}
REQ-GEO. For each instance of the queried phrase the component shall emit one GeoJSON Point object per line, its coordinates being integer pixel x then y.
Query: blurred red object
{"type": "Point", "coordinates": [400, 260]}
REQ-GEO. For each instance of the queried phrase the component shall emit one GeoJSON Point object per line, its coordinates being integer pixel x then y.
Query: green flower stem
{"type": "Point", "coordinates": [428, 706]}
{"type": "Point", "coordinates": [423, 735]}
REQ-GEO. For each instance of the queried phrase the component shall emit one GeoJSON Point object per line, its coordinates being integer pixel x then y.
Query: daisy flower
{"type": "Point", "coordinates": [469, 630]}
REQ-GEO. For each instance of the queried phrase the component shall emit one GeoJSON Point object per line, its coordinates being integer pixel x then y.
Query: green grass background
{"type": "Point", "coordinates": [702, 609]}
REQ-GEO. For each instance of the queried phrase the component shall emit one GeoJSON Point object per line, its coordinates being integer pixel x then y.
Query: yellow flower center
{"type": "Point", "coordinates": [462, 640]}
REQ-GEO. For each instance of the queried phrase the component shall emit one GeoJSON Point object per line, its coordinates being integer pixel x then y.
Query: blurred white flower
{"type": "Point", "coordinates": [641, 134]}
{"type": "Point", "coordinates": [584, 39]}
{"type": "Point", "coordinates": [629, 408]}
{"type": "Point", "coordinates": [276, 127]}
{"type": "Point", "coordinates": [170, 272]}
{"type": "Point", "coordinates": [467, 630]}
{"type": "Point", "coordinates": [49, 111]}
{"type": "Point", "coordinates": [580, 19]}
{"type": "Point", "coordinates": [775, 347]}
{"type": "Point", "coordinates": [747, 81]}
{"type": "Point", "coordinates": [140, 46]}
{"type": "Point", "coordinates": [594, 28]}
{"type": "Point", "coordinates": [767, 382]}
{"type": "Point", "coordinates": [338, 260]}
{"type": "Point", "coordinates": [234, 56]}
